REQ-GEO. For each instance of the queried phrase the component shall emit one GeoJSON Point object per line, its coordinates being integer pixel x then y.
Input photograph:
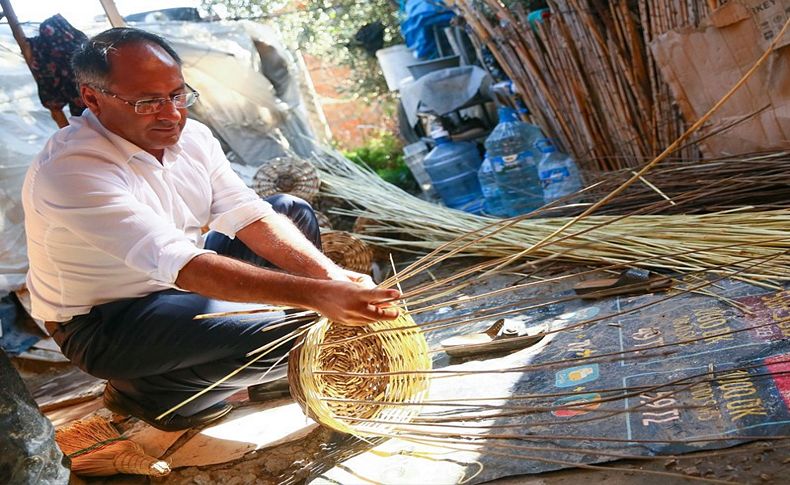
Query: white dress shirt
{"type": "Point", "coordinates": [106, 221]}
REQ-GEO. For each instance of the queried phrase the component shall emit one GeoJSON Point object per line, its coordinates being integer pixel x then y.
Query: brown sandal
{"type": "Point", "coordinates": [631, 281]}
{"type": "Point", "coordinates": [502, 336]}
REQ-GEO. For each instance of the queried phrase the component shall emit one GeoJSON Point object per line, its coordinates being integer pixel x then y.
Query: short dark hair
{"type": "Point", "coordinates": [91, 62]}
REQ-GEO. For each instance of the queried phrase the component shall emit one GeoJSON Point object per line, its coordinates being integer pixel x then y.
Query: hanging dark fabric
{"type": "Point", "coordinates": [52, 50]}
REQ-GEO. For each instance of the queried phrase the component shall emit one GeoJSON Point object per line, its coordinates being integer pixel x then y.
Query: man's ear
{"type": "Point", "coordinates": [89, 97]}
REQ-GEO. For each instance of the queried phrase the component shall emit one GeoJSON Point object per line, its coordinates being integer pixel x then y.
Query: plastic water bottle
{"type": "Point", "coordinates": [452, 167]}
{"type": "Point", "coordinates": [559, 175]}
{"type": "Point", "coordinates": [494, 204]}
{"type": "Point", "coordinates": [510, 149]}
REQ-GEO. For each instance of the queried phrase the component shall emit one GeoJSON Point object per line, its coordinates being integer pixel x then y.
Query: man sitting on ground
{"type": "Point", "coordinates": [119, 267]}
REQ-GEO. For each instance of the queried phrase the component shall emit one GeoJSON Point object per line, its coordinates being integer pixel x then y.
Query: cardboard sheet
{"type": "Point", "coordinates": [702, 64]}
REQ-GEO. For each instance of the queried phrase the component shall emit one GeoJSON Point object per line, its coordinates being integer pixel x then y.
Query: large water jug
{"type": "Point", "coordinates": [510, 147]}
{"type": "Point", "coordinates": [453, 167]}
{"type": "Point", "coordinates": [494, 204]}
{"type": "Point", "coordinates": [558, 173]}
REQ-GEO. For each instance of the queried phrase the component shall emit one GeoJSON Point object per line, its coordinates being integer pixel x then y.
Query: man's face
{"type": "Point", "coordinates": [140, 71]}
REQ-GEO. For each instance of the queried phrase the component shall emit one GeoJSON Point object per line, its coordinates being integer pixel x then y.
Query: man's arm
{"type": "Point", "coordinates": [277, 240]}
{"type": "Point", "coordinates": [225, 278]}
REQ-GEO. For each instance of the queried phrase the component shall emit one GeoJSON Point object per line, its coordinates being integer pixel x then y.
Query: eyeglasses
{"type": "Point", "coordinates": [155, 105]}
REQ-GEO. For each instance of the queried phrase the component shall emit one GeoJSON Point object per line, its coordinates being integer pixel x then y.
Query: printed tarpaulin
{"type": "Point", "coordinates": [639, 376]}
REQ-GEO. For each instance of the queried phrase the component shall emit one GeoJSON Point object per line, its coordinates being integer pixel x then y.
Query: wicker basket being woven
{"type": "Point", "coordinates": [353, 387]}
{"type": "Point", "coordinates": [347, 251]}
{"type": "Point", "coordinates": [287, 175]}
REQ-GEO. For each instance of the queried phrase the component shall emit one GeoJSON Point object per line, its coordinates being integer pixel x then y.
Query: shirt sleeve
{"type": "Point", "coordinates": [93, 200]}
{"type": "Point", "coordinates": [234, 205]}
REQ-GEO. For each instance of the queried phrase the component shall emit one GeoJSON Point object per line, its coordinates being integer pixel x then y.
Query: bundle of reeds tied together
{"type": "Point", "coordinates": [587, 74]}
{"type": "Point", "coordinates": [97, 449]}
{"type": "Point", "coordinates": [720, 242]}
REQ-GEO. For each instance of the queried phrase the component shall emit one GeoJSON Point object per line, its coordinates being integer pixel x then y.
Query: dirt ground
{"type": "Point", "coordinates": [758, 463]}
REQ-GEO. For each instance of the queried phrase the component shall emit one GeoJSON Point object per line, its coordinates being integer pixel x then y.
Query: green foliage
{"type": "Point", "coordinates": [384, 154]}
{"type": "Point", "coordinates": [326, 29]}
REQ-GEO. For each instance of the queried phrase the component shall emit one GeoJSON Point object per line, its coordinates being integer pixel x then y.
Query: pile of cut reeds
{"type": "Point", "coordinates": [587, 74]}
{"type": "Point", "coordinates": [721, 242]}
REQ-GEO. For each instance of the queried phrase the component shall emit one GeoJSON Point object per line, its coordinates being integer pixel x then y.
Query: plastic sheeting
{"type": "Point", "coordinates": [255, 116]}
{"type": "Point", "coordinates": [25, 126]}
{"type": "Point", "coordinates": [421, 18]}
{"type": "Point", "coordinates": [443, 91]}
{"type": "Point", "coordinates": [259, 116]}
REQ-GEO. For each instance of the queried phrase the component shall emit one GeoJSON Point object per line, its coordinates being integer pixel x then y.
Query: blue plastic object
{"type": "Point", "coordinates": [558, 173]}
{"type": "Point", "coordinates": [453, 167]}
{"type": "Point", "coordinates": [510, 147]}
{"type": "Point", "coordinates": [420, 18]}
{"type": "Point", "coordinates": [494, 204]}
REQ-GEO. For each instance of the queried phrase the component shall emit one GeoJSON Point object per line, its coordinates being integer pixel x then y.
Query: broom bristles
{"type": "Point", "coordinates": [97, 449]}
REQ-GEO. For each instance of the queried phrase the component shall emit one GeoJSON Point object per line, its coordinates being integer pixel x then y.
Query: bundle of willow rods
{"type": "Point", "coordinates": [587, 74]}
{"type": "Point", "coordinates": [679, 187]}
{"type": "Point", "coordinates": [407, 223]}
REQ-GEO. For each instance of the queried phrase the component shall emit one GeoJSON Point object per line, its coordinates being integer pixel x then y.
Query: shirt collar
{"type": "Point", "coordinates": [127, 149]}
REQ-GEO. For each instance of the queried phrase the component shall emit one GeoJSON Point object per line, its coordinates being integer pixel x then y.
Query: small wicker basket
{"type": "Point", "coordinates": [368, 375]}
{"type": "Point", "coordinates": [287, 175]}
{"type": "Point", "coordinates": [347, 251]}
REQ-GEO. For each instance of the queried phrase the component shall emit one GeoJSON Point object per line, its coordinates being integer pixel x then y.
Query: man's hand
{"type": "Point", "coordinates": [352, 304]}
{"type": "Point", "coordinates": [360, 279]}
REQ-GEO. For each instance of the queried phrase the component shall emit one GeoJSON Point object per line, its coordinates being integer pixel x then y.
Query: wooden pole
{"type": "Point", "coordinates": [27, 54]}
{"type": "Point", "coordinates": [112, 13]}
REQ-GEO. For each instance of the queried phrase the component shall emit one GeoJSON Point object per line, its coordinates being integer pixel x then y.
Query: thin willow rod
{"type": "Point", "coordinates": [532, 367]}
{"type": "Point", "coordinates": [580, 324]}
{"type": "Point", "coordinates": [573, 406]}
{"type": "Point", "coordinates": [622, 393]}
{"type": "Point", "coordinates": [726, 127]}
{"type": "Point", "coordinates": [275, 344]}
{"type": "Point", "coordinates": [703, 377]}
{"type": "Point", "coordinates": [445, 291]}
{"type": "Point", "coordinates": [529, 437]}
{"type": "Point", "coordinates": [500, 291]}
{"type": "Point", "coordinates": [472, 439]}
{"type": "Point", "coordinates": [443, 444]}
{"type": "Point", "coordinates": [267, 309]}
{"type": "Point", "coordinates": [586, 451]}
{"type": "Point", "coordinates": [694, 127]}
{"type": "Point", "coordinates": [309, 321]}
{"type": "Point", "coordinates": [435, 257]}
{"type": "Point", "coordinates": [436, 421]}
{"type": "Point", "coordinates": [447, 422]}
{"type": "Point", "coordinates": [655, 189]}
{"type": "Point", "coordinates": [604, 414]}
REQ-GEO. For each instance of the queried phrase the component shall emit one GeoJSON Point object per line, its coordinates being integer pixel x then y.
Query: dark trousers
{"type": "Point", "coordinates": [153, 351]}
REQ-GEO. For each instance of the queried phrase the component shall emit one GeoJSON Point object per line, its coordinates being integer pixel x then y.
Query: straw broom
{"type": "Point", "coordinates": [97, 449]}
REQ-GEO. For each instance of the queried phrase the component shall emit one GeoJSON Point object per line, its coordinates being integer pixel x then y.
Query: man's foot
{"type": "Point", "coordinates": [120, 404]}
{"type": "Point", "coordinates": [269, 390]}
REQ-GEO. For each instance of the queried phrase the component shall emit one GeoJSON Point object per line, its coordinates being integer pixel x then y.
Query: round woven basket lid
{"type": "Point", "coordinates": [354, 379]}
{"type": "Point", "coordinates": [347, 251]}
{"type": "Point", "coordinates": [287, 175]}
